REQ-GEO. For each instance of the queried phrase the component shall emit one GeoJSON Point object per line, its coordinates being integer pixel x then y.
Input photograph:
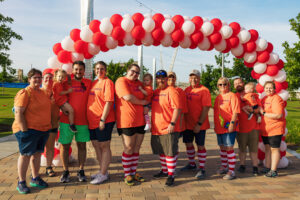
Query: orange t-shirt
{"type": "Point", "coordinates": [163, 104]}
{"type": "Point", "coordinates": [252, 99]}
{"type": "Point", "coordinates": [101, 92]}
{"type": "Point", "coordinates": [184, 108]}
{"type": "Point", "coordinates": [128, 115]}
{"type": "Point", "coordinates": [54, 108]}
{"type": "Point", "coordinates": [38, 109]}
{"type": "Point", "coordinates": [78, 100]}
{"type": "Point", "coordinates": [272, 127]}
{"type": "Point", "coordinates": [245, 125]}
{"type": "Point", "coordinates": [197, 98]}
{"type": "Point", "coordinates": [59, 99]}
{"type": "Point", "coordinates": [149, 91]}
{"type": "Point", "coordinates": [225, 106]}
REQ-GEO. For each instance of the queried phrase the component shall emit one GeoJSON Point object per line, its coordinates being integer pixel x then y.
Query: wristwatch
{"type": "Point", "coordinates": [232, 122]}
{"type": "Point", "coordinates": [264, 113]}
{"type": "Point", "coordinates": [172, 123]}
{"type": "Point", "coordinates": [199, 123]}
{"type": "Point", "coordinates": [102, 120]}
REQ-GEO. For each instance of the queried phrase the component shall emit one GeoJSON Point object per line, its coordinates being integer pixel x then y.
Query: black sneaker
{"type": "Point", "coordinates": [265, 170]}
{"type": "Point", "coordinates": [200, 174]}
{"type": "Point", "coordinates": [38, 182]}
{"type": "Point", "coordinates": [242, 169]}
{"type": "Point", "coordinates": [170, 181]}
{"type": "Point", "coordinates": [255, 171]}
{"type": "Point", "coordinates": [81, 176]}
{"type": "Point", "coordinates": [160, 174]}
{"type": "Point", "coordinates": [65, 178]}
{"type": "Point", "coordinates": [188, 167]}
{"type": "Point", "coordinates": [22, 188]}
{"type": "Point", "coordinates": [73, 128]}
{"type": "Point", "coordinates": [271, 174]}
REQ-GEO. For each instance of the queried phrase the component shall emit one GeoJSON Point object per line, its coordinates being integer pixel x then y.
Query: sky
{"type": "Point", "coordinates": [42, 23]}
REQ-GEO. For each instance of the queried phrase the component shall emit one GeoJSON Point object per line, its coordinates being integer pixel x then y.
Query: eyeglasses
{"type": "Point", "coordinates": [137, 73]}
{"type": "Point", "coordinates": [222, 84]}
{"type": "Point", "coordinates": [161, 73]}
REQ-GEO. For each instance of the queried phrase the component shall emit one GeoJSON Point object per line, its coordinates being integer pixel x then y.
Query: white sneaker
{"type": "Point", "coordinates": [99, 179]}
{"type": "Point", "coordinates": [147, 127]}
{"type": "Point", "coordinates": [93, 176]}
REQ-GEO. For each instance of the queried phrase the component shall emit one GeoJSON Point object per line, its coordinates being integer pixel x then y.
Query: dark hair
{"type": "Point", "coordinates": [270, 82]}
{"type": "Point", "coordinates": [133, 65]}
{"type": "Point", "coordinates": [32, 72]}
{"type": "Point", "coordinates": [238, 78]}
{"type": "Point", "coordinates": [101, 63]}
{"type": "Point", "coordinates": [81, 63]}
{"type": "Point", "coordinates": [147, 74]}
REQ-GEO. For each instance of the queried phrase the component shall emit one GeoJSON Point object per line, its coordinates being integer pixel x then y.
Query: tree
{"type": "Point", "coordinates": [6, 36]}
{"type": "Point", "coordinates": [292, 56]}
{"type": "Point", "coordinates": [239, 69]}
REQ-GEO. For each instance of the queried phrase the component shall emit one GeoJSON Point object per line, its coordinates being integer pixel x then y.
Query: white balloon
{"type": "Point", "coordinates": [237, 51]}
{"type": "Point", "coordinates": [285, 113]}
{"type": "Point", "coordinates": [106, 27]}
{"type": "Point", "coordinates": [43, 160]}
{"type": "Point", "coordinates": [168, 26]}
{"type": "Point", "coordinates": [147, 40]}
{"type": "Point", "coordinates": [221, 46]}
{"type": "Point", "coordinates": [186, 42]}
{"type": "Point", "coordinates": [284, 95]}
{"type": "Point", "coordinates": [188, 27]}
{"type": "Point", "coordinates": [67, 68]}
{"type": "Point", "coordinates": [274, 58]}
{"type": "Point", "coordinates": [226, 31]}
{"type": "Point", "coordinates": [283, 162]}
{"type": "Point", "coordinates": [264, 78]}
{"type": "Point", "coordinates": [147, 15]}
{"type": "Point", "coordinates": [126, 16]}
{"type": "Point", "coordinates": [93, 49]}
{"type": "Point", "coordinates": [86, 34]}
{"type": "Point", "coordinates": [259, 67]}
{"type": "Point", "coordinates": [250, 57]}
{"type": "Point", "coordinates": [281, 76]}
{"type": "Point", "coordinates": [204, 45]}
{"type": "Point", "coordinates": [111, 43]}
{"type": "Point", "coordinates": [167, 40]}
{"type": "Point", "coordinates": [54, 63]}
{"type": "Point", "coordinates": [261, 146]}
{"type": "Point", "coordinates": [261, 44]}
{"type": "Point", "coordinates": [244, 36]}
{"type": "Point", "coordinates": [207, 28]}
{"type": "Point", "coordinates": [128, 39]}
{"type": "Point", "coordinates": [77, 57]}
{"type": "Point", "coordinates": [148, 24]}
{"type": "Point", "coordinates": [205, 19]}
{"type": "Point", "coordinates": [283, 146]}
{"type": "Point", "coordinates": [167, 16]}
{"type": "Point", "coordinates": [285, 132]}
{"type": "Point", "coordinates": [186, 18]}
{"type": "Point", "coordinates": [261, 95]}
{"type": "Point", "coordinates": [67, 44]}
{"type": "Point", "coordinates": [224, 23]}
{"type": "Point", "coordinates": [127, 24]}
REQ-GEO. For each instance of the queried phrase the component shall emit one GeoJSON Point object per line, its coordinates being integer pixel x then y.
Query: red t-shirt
{"type": "Point", "coordinates": [58, 88]}
{"type": "Point", "coordinates": [184, 108]}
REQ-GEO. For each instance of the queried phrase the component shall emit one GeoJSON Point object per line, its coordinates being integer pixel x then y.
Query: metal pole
{"type": "Point", "coordinates": [154, 72]}
{"type": "Point", "coordinates": [222, 65]}
{"type": "Point", "coordinates": [140, 61]}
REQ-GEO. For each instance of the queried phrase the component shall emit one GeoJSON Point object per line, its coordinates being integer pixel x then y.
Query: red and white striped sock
{"type": "Point", "coordinates": [224, 161]}
{"type": "Point", "coordinates": [190, 151]}
{"type": "Point", "coordinates": [231, 160]}
{"type": "Point", "coordinates": [171, 164]}
{"type": "Point", "coordinates": [134, 163]}
{"type": "Point", "coordinates": [202, 158]}
{"type": "Point", "coordinates": [163, 163]}
{"type": "Point", "coordinates": [126, 162]}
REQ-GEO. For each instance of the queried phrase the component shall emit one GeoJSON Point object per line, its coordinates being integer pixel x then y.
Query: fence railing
{"type": "Point", "coordinates": [14, 85]}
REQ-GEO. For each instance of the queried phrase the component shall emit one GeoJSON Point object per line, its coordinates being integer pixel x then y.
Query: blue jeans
{"type": "Point", "coordinates": [226, 139]}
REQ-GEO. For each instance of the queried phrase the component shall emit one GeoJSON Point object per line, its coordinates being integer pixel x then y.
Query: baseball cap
{"type": "Point", "coordinates": [195, 72]}
{"type": "Point", "coordinates": [161, 73]}
{"type": "Point", "coordinates": [48, 71]}
{"type": "Point", "coordinates": [171, 73]}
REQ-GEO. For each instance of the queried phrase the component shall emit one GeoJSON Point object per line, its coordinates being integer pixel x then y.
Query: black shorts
{"type": "Point", "coordinates": [189, 135]}
{"type": "Point", "coordinates": [131, 131]}
{"type": "Point", "coordinates": [273, 141]}
{"type": "Point", "coordinates": [53, 130]}
{"type": "Point", "coordinates": [104, 135]}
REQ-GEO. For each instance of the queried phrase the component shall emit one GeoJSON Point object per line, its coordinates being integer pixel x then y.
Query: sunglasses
{"type": "Point", "coordinates": [161, 73]}
{"type": "Point", "coordinates": [222, 84]}
{"type": "Point", "coordinates": [137, 73]}
{"type": "Point", "coordinates": [83, 86]}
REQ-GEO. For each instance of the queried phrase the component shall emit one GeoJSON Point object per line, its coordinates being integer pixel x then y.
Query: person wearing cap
{"type": "Point", "coordinates": [166, 109]}
{"type": "Point", "coordinates": [196, 119]}
{"type": "Point", "coordinates": [49, 148]}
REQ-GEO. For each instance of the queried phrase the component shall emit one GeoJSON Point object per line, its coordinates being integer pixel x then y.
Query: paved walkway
{"type": "Point", "coordinates": [187, 187]}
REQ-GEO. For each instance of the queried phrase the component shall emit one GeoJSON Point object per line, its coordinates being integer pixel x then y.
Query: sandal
{"type": "Point", "coordinates": [50, 172]}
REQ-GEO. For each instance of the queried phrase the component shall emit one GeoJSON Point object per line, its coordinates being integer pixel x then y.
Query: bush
{"type": "Point", "coordinates": [293, 135]}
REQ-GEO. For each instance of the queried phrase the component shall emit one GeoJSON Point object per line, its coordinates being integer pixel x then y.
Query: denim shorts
{"type": "Point", "coordinates": [189, 135]}
{"type": "Point", "coordinates": [226, 139]}
{"type": "Point", "coordinates": [104, 135]}
{"type": "Point", "coordinates": [31, 141]}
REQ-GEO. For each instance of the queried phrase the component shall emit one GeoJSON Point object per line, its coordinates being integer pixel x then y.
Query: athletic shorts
{"type": "Point", "coordinates": [66, 135]}
{"type": "Point", "coordinates": [249, 140]}
{"type": "Point", "coordinates": [226, 139]}
{"type": "Point", "coordinates": [53, 130]}
{"type": "Point", "coordinates": [273, 141]}
{"type": "Point", "coordinates": [31, 141]}
{"type": "Point", "coordinates": [165, 144]}
{"type": "Point", "coordinates": [104, 135]}
{"type": "Point", "coordinates": [189, 135]}
{"type": "Point", "coordinates": [132, 130]}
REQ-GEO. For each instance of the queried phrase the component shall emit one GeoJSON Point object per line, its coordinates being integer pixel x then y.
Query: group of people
{"type": "Point", "coordinates": [91, 109]}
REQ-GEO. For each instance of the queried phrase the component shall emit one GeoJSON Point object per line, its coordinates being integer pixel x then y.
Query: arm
{"type": "Point", "coordinates": [270, 115]}
{"type": "Point", "coordinates": [132, 99]}
{"type": "Point", "coordinates": [202, 117]}
{"type": "Point", "coordinates": [66, 91]}
{"type": "Point", "coordinates": [105, 113]}
{"type": "Point", "coordinates": [232, 122]}
{"type": "Point", "coordinates": [175, 116]}
{"type": "Point", "coordinates": [143, 91]}
{"type": "Point", "coordinates": [20, 118]}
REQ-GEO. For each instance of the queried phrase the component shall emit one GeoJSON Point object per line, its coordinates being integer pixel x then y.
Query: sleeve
{"type": "Point", "coordinates": [175, 99]}
{"type": "Point", "coordinates": [109, 92]}
{"type": "Point", "coordinates": [21, 99]}
{"type": "Point", "coordinates": [235, 104]}
{"type": "Point", "coordinates": [277, 105]}
{"type": "Point", "coordinates": [206, 99]}
{"type": "Point", "coordinates": [149, 91]}
{"type": "Point", "coordinates": [122, 89]}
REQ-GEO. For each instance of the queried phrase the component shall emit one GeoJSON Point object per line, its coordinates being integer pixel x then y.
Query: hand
{"type": "Point", "coordinates": [145, 102]}
{"type": "Point", "coordinates": [146, 110]}
{"type": "Point", "coordinates": [197, 128]}
{"type": "Point", "coordinates": [140, 87]}
{"type": "Point", "coordinates": [170, 128]}
{"type": "Point", "coordinates": [24, 130]}
{"type": "Point", "coordinates": [101, 125]}
{"type": "Point", "coordinates": [65, 111]}
{"type": "Point", "coordinates": [70, 90]}
{"type": "Point", "coordinates": [230, 128]}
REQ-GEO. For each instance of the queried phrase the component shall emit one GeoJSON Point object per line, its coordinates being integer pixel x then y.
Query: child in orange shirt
{"type": "Point", "coordinates": [147, 90]}
{"type": "Point", "coordinates": [60, 96]}
{"type": "Point", "coordinates": [253, 102]}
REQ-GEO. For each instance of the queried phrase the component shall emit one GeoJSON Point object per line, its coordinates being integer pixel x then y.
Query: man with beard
{"type": "Point", "coordinates": [166, 108]}
{"type": "Point", "coordinates": [248, 132]}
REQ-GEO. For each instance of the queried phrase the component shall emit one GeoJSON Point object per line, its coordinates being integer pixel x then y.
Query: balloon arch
{"type": "Point", "coordinates": [183, 31]}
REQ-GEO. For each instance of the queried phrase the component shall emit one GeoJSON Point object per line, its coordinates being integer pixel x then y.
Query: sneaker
{"type": "Point", "coordinates": [160, 174]}
{"type": "Point", "coordinates": [73, 128]}
{"type": "Point", "coordinates": [265, 170]}
{"type": "Point", "coordinates": [250, 116]}
{"type": "Point", "coordinates": [200, 174]}
{"type": "Point", "coordinates": [229, 176]}
{"type": "Point", "coordinates": [222, 170]}
{"type": "Point", "coordinates": [38, 182]}
{"type": "Point", "coordinates": [188, 167]}
{"type": "Point", "coordinates": [138, 177]}
{"type": "Point", "coordinates": [170, 181]}
{"type": "Point", "coordinates": [65, 178]}
{"type": "Point", "coordinates": [147, 127]}
{"type": "Point", "coordinates": [255, 171]}
{"type": "Point", "coordinates": [242, 169]}
{"type": "Point", "coordinates": [271, 174]}
{"type": "Point", "coordinates": [50, 172]}
{"type": "Point", "coordinates": [99, 179]}
{"type": "Point", "coordinates": [81, 176]}
{"type": "Point", "coordinates": [258, 119]}
{"type": "Point", "coordinates": [129, 180]}
{"type": "Point", "coordinates": [22, 188]}
{"type": "Point", "coordinates": [95, 175]}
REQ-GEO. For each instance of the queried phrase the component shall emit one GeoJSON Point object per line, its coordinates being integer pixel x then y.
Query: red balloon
{"type": "Point", "coordinates": [121, 43]}
{"type": "Point", "coordinates": [118, 33]}
{"type": "Point", "coordinates": [217, 24]}
{"type": "Point", "coordinates": [250, 46]}
{"type": "Point", "coordinates": [260, 154]}
{"type": "Point", "coordinates": [282, 154]}
{"type": "Point", "coordinates": [198, 21]}
{"type": "Point", "coordinates": [159, 19]}
{"type": "Point", "coordinates": [283, 137]}
{"type": "Point", "coordinates": [103, 48]}
{"type": "Point", "coordinates": [249, 64]}
{"type": "Point", "coordinates": [177, 35]}
{"type": "Point", "coordinates": [254, 35]}
{"type": "Point", "coordinates": [156, 43]}
{"type": "Point", "coordinates": [95, 25]}
{"type": "Point", "coordinates": [158, 34]}
{"type": "Point", "coordinates": [241, 56]}
{"type": "Point", "coordinates": [255, 75]}
{"type": "Point", "coordinates": [138, 32]}
{"type": "Point", "coordinates": [228, 47]}
{"type": "Point", "coordinates": [138, 42]}
{"type": "Point", "coordinates": [272, 70]}
{"type": "Point", "coordinates": [80, 46]}
{"type": "Point", "coordinates": [99, 38]}
{"type": "Point", "coordinates": [235, 28]}
{"type": "Point", "coordinates": [211, 47]}
{"type": "Point", "coordinates": [197, 37]}
{"type": "Point", "coordinates": [278, 86]}
{"type": "Point", "coordinates": [57, 48]}
{"type": "Point", "coordinates": [284, 103]}
{"type": "Point", "coordinates": [175, 44]}
{"type": "Point", "coordinates": [280, 64]}
{"type": "Point", "coordinates": [138, 19]}
{"type": "Point", "coordinates": [259, 88]}
{"type": "Point", "coordinates": [284, 85]}
{"type": "Point", "coordinates": [270, 47]}
{"type": "Point", "coordinates": [178, 20]}
{"type": "Point", "coordinates": [64, 56]}
{"type": "Point", "coordinates": [75, 34]}
{"type": "Point", "coordinates": [193, 46]}
{"type": "Point", "coordinates": [234, 41]}
{"type": "Point", "coordinates": [116, 20]}
{"type": "Point", "coordinates": [263, 57]}
{"type": "Point", "coordinates": [87, 55]}
{"type": "Point", "coordinates": [215, 38]}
